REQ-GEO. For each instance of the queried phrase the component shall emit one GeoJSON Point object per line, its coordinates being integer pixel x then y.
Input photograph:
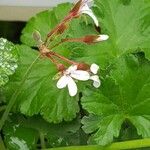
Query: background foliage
{"type": "Point", "coordinates": [117, 111]}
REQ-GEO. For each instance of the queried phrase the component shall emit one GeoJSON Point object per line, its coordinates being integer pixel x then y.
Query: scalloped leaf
{"type": "Point", "coordinates": [127, 22]}
{"type": "Point", "coordinates": [39, 93]}
{"type": "Point", "coordinates": [8, 60]}
{"type": "Point", "coordinates": [45, 21]}
{"type": "Point", "coordinates": [123, 95]}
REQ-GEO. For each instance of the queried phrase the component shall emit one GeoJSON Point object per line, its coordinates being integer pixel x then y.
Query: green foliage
{"type": "Point", "coordinates": [123, 95]}
{"type": "Point", "coordinates": [128, 25]}
{"type": "Point", "coordinates": [28, 133]}
{"type": "Point", "coordinates": [40, 92]}
{"type": "Point", "coordinates": [19, 137]}
{"type": "Point", "coordinates": [8, 60]}
{"type": "Point", "coordinates": [45, 21]}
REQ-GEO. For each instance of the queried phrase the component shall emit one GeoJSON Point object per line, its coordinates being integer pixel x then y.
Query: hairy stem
{"type": "Point", "coordinates": [16, 93]}
{"type": "Point", "coordinates": [141, 143]}
{"type": "Point", "coordinates": [63, 58]}
{"type": "Point", "coordinates": [53, 31]}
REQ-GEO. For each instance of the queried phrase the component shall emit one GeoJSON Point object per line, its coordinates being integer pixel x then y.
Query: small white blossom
{"type": "Point", "coordinates": [96, 81]}
{"type": "Point", "coordinates": [85, 9]}
{"type": "Point", "coordinates": [94, 68]}
{"type": "Point", "coordinates": [68, 76]}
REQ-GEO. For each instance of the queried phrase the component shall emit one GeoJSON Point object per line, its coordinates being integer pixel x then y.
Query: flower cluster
{"type": "Point", "coordinates": [77, 70]}
{"type": "Point", "coordinates": [68, 76]}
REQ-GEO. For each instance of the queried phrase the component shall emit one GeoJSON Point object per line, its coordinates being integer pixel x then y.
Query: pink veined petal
{"type": "Point", "coordinates": [72, 87]}
{"type": "Point", "coordinates": [96, 81]}
{"type": "Point", "coordinates": [80, 75]}
{"type": "Point", "coordinates": [86, 10]}
{"type": "Point", "coordinates": [62, 82]}
{"type": "Point", "coordinates": [94, 68]}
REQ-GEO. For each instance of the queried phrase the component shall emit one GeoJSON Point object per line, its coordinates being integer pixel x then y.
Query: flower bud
{"type": "Point", "coordinates": [61, 67]}
{"type": "Point", "coordinates": [37, 37]}
{"type": "Point", "coordinates": [83, 66]}
{"type": "Point", "coordinates": [95, 38]}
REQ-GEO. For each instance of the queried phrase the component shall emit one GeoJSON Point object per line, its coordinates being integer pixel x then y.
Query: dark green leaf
{"type": "Point", "coordinates": [17, 137]}
{"type": "Point", "coordinates": [54, 135]}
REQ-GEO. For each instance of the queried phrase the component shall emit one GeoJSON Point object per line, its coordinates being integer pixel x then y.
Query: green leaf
{"type": "Point", "coordinates": [17, 137]}
{"type": "Point", "coordinates": [127, 22]}
{"type": "Point", "coordinates": [38, 92]}
{"type": "Point", "coordinates": [45, 21]}
{"type": "Point", "coordinates": [123, 95]}
{"type": "Point", "coordinates": [8, 60]}
{"type": "Point", "coordinates": [54, 135]}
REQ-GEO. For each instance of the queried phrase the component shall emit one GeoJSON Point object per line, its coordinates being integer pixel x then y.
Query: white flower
{"type": "Point", "coordinates": [68, 76]}
{"type": "Point", "coordinates": [94, 68]}
{"type": "Point", "coordinates": [85, 9]}
{"type": "Point", "coordinates": [96, 81]}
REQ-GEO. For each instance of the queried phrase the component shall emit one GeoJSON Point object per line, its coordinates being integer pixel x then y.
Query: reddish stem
{"type": "Point", "coordinates": [52, 59]}
{"type": "Point", "coordinates": [50, 53]}
{"type": "Point", "coordinates": [63, 58]}
{"type": "Point", "coordinates": [65, 20]}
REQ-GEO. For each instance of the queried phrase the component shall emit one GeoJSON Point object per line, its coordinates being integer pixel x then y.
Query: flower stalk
{"type": "Point", "coordinates": [76, 70]}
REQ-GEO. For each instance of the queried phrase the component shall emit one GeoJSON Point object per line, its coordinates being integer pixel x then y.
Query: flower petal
{"type": "Point", "coordinates": [102, 37]}
{"type": "Point", "coordinates": [96, 80]}
{"type": "Point", "coordinates": [94, 68]}
{"type": "Point", "coordinates": [86, 10]}
{"type": "Point", "coordinates": [71, 68]}
{"type": "Point", "coordinates": [80, 75]}
{"type": "Point", "coordinates": [62, 82]}
{"type": "Point", "coordinates": [72, 87]}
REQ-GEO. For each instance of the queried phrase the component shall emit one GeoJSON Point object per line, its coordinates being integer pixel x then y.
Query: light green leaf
{"type": "Point", "coordinates": [123, 95]}
{"type": "Point", "coordinates": [127, 22]}
{"type": "Point", "coordinates": [39, 93]}
{"type": "Point", "coordinates": [8, 60]}
{"type": "Point", "coordinates": [45, 21]}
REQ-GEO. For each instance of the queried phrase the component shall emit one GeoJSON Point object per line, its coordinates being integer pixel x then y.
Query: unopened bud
{"type": "Point", "coordinates": [83, 66]}
{"type": "Point", "coordinates": [61, 67]}
{"type": "Point", "coordinates": [95, 38]}
{"type": "Point", "coordinates": [37, 37]}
